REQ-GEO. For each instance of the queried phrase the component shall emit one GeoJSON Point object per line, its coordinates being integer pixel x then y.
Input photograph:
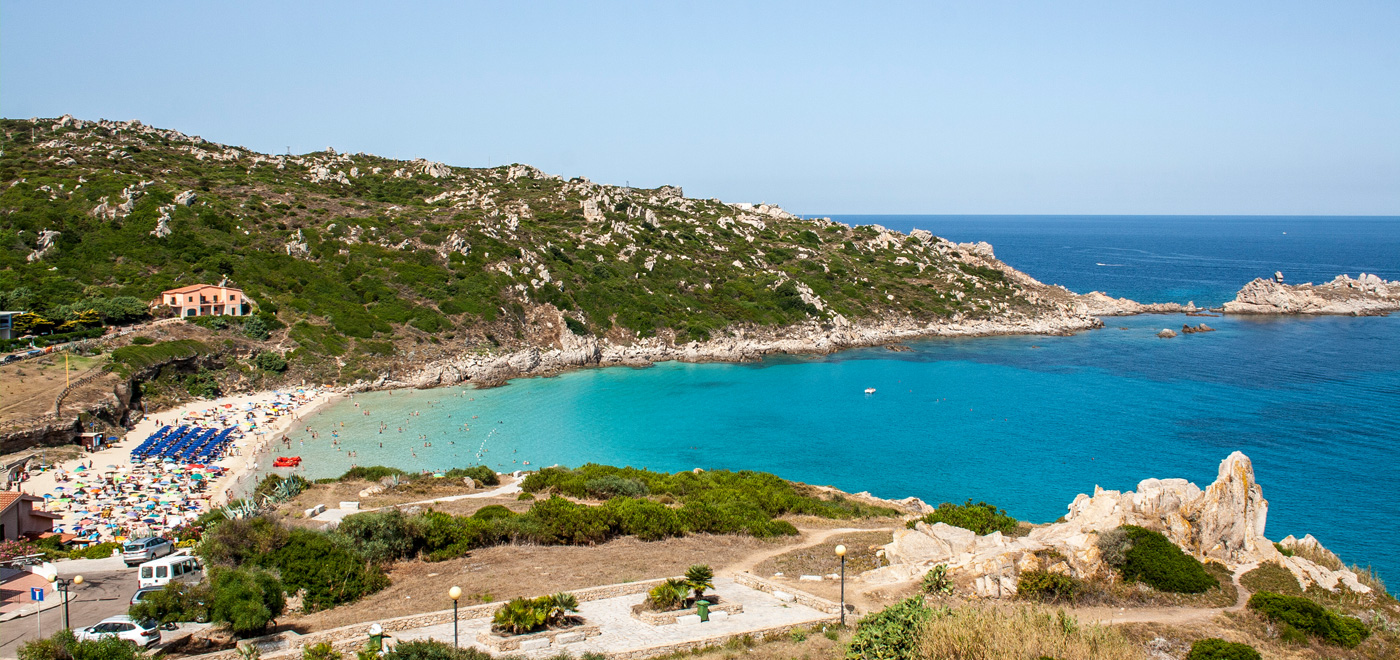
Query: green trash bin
{"type": "Point", "coordinates": [702, 607]}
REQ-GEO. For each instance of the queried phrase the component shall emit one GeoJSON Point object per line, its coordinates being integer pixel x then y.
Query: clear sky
{"type": "Point", "coordinates": [1212, 107]}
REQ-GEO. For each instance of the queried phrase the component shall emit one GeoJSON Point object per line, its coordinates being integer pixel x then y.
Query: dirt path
{"type": "Point", "coordinates": [1166, 615]}
{"type": "Point", "coordinates": [810, 537]}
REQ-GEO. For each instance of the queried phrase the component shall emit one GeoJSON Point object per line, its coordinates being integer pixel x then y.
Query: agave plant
{"type": "Point", "coordinates": [700, 578]}
{"type": "Point", "coordinates": [520, 616]}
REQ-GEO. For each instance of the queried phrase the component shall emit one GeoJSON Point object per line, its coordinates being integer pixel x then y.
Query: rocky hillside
{"type": "Point", "coordinates": [378, 266]}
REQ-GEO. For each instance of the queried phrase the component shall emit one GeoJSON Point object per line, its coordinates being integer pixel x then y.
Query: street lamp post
{"type": "Point", "coordinates": [841, 552]}
{"type": "Point", "coordinates": [64, 586]}
{"type": "Point", "coordinates": [454, 593]}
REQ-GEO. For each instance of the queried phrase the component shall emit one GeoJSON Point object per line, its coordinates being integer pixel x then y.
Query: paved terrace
{"type": "Point", "coordinates": [627, 637]}
{"type": "Point", "coordinates": [769, 609]}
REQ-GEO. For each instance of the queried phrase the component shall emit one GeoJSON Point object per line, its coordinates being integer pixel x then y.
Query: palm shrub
{"type": "Point", "coordinates": [700, 577]}
{"type": "Point", "coordinates": [322, 651]}
{"type": "Point", "coordinates": [520, 616]}
{"type": "Point", "coordinates": [669, 595]}
{"type": "Point", "coordinates": [557, 607]}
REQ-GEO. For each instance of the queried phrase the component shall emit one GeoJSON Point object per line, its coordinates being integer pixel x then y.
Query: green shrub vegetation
{"type": "Point", "coordinates": [526, 615]}
{"type": "Point", "coordinates": [384, 264]}
{"type": "Point", "coordinates": [245, 599]}
{"type": "Point", "coordinates": [1046, 587]}
{"type": "Point", "coordinates": [981, 518]}
{"type": "Point", "coordinates": [1308, 617]}
{"type": "Point", "coordinates": [1154, 560]}
{"type": "Point", "coordinates": [129, 359]}
{"type": "Point", "coordinates": [64, 645]}
{"type": "Point", "coordinates": [174, 603]}
{"type": "Point", "coordinates": [1214, 648]}
{"type": "Point", "coordinates": [891, 633]}
{"type": "Point", "coordinates": [428, 649]}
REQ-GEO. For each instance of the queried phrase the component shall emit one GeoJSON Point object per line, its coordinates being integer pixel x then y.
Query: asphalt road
{"type": "Point", "coordinates": [102, 594]}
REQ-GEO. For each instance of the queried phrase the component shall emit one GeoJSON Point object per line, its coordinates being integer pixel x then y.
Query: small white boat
{"type": "Point", "coordinates": [869, 390]}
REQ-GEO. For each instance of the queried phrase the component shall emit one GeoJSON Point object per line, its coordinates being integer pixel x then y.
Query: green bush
{"type": "Point", "coordinates": [981, 518]}
{"type": "Point", "coordinates": [1311, 618]}
{"type": "Point", "coordinates": [64, 645]}
{"type": "Point", "coordinates": [175, 603]}
{"type": "Point", "coordinates": [269, 361]}
{"type": "Point", "coordinates": [95, 551]}
{"type": "Point", "coordinates": [1214, 648]}
{"type": "Point", "coordinates": [382, 536]}
{"type": "Point", "coordinates": [329, 573]}
{"type": "Point", "coordinates": [1046, 587]}
{"type": "Point", "coordinates": [140, 340]}
{"type": "Point", "coordinates": [482, 475]}
{"type": "Point", "coordinates": [428, 649]}
{"type": "Point", "coordinates": [936, 581]}
{"type": "Point", "coordinates": [371, 473]}
{"type": "Point", "coordinates": [611, 485]}
{"type": "Point", "coordinates": [644, 519]}
{"type": "Point", "coordinates": [245, 600]}
{"type": "Point", "coordinates": [891, 633]}
{"type": "Point", "coordinates": [1154, 560]}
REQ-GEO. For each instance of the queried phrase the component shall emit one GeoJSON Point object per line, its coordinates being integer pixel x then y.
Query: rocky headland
{"type": "Point", "coordinates": [1367, 295]}
{"type": "Point", "coordinates": [1223, 522]}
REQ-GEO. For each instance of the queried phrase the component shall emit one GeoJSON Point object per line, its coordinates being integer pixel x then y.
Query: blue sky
{"type": "Point", "coordinates": [962, 107]}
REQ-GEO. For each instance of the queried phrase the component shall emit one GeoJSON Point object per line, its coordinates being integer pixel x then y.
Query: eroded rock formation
{"type": "Point", "coordinates": [1364, 296]}
{"type": "Point", "coordinates": [1224, 523]}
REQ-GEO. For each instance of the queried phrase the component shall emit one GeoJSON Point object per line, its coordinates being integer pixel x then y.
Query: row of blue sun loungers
{"type": "Point", "coordinates": [188, 444]}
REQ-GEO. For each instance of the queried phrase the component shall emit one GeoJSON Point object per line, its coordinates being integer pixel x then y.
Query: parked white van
{"type": "Point", "coordinates": [178, 567]}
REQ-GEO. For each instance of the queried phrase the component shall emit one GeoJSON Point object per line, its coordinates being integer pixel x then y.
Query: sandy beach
{"type": "Point", "coordinates": [261, 423]}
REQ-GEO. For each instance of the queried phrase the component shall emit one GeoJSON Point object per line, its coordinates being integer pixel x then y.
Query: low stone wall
{"type": "Point", "coordinates": [717, 640]}
{"type": "Point", "coordinates": [800, 597]}
{"type": "Point", "coordinates": [667, 618]}
{"type": "Point", "coordinates": [532, 641]}
{"type": "Point", "coordinates": [348, 638]}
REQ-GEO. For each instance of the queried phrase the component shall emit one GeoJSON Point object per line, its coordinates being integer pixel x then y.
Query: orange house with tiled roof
{"type": "Point", "coordinates": [205, 300]}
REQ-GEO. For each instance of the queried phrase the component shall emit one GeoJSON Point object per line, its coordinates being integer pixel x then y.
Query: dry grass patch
{"type": "Point", "coordinates": [509, 571]}
{"type": "Point", "coordinates": [977, 632]}
{"type": "Point", "coordinates": [1272, 577]}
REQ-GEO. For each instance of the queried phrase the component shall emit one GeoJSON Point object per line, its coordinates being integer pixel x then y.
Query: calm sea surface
{"type": "Point", "coordinates": [1024, 422]}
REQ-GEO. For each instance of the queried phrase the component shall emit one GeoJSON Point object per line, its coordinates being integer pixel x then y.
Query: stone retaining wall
{"type": "Point", "coordinates": [348, 638]}
{"type": "Point", "coordinates": [667, 618]}
{"type": "Point", "coordinates": [800, 597]}
{"type": "Point", "coordinates": [530, 642]}
{"type": "Point", "coordinates": [718, 640]}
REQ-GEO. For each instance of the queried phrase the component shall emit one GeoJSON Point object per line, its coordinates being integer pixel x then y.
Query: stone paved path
{"type": "Point", "coordinates": [623, 633]}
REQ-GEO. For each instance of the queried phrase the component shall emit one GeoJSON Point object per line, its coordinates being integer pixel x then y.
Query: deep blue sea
{"type": "Point", "coordinates": [1024, 422]}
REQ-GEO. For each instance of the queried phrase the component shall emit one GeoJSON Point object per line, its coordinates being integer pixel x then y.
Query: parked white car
{"type": "Point", "coordinates": [140, 633]}
{"type": "Point", "coordinates": [140, 551]}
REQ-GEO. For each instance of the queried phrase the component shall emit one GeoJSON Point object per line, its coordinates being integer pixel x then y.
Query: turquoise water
{"type": "Point", "coordinates": [1025, 422]}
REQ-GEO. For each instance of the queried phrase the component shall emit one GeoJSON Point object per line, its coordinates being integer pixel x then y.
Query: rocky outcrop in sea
{"type": "Point", "coordinates": [1223, 522]}
{"type": "Point", "coordinates": [1367, 295]}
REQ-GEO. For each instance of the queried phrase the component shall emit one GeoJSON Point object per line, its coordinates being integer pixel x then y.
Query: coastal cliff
{"type": "Point", "coordinates": [1223, 522]}
{"type": "Point", "coordinates": [1367, 295]}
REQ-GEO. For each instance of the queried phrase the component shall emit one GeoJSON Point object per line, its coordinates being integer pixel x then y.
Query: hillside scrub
{"type": "Point", "coordinates": [129, 359]}
{"type": "Point", "coordinates": [353, 252]}
{"type": "Point", "coordinates": [1214, 648]}
{"type": "Point", "coordinates": [981, 518]}
{"type": "Point", "coordinates": [1151, 558]}
{"type": "Point", "coordinates": [1308, 617]}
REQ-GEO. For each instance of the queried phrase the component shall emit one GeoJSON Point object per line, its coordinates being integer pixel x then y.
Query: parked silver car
{"type": "Point", "coordinates": [140, 633]}
{"type": "Point", "coordinates": [140, 551]}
